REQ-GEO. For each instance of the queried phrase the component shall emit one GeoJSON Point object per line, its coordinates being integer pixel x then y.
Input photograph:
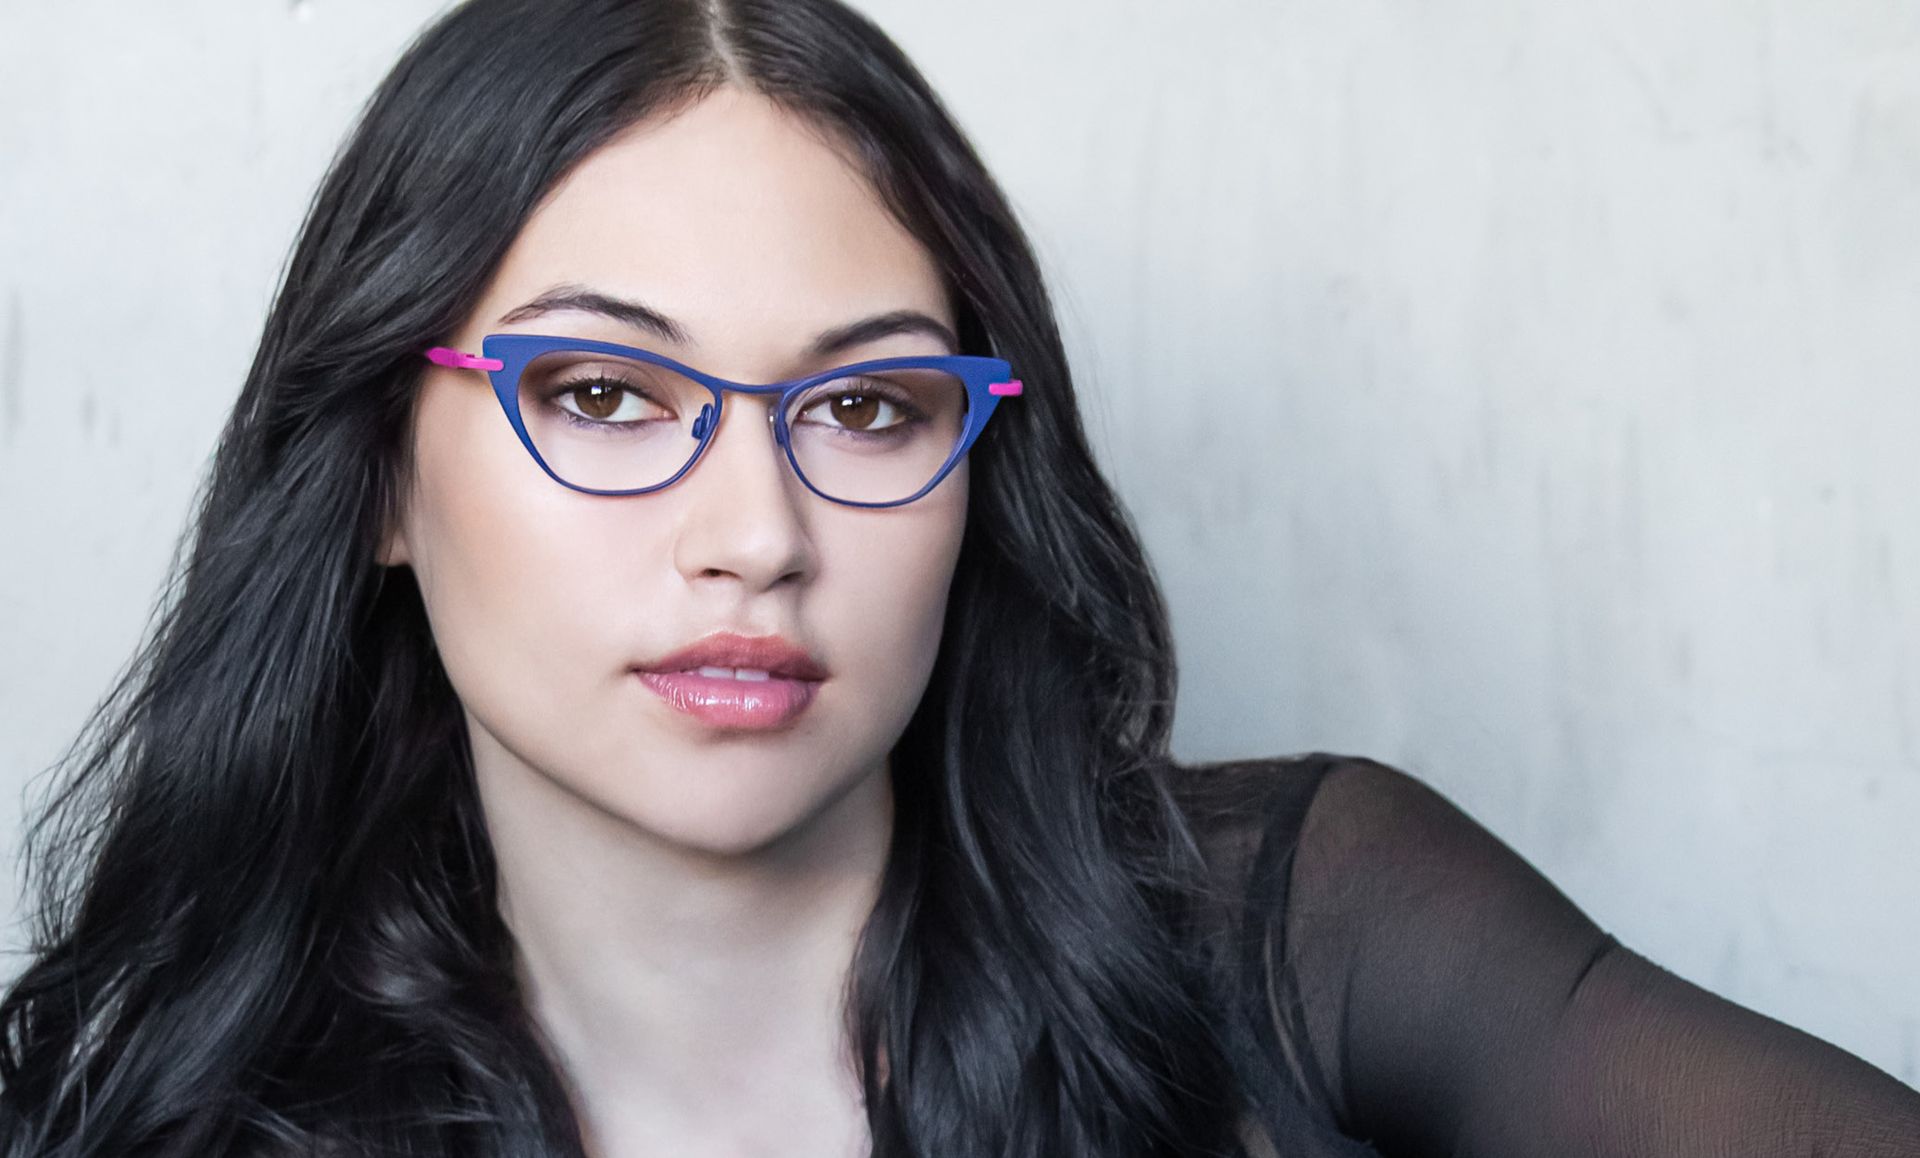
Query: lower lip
{"type": "Point", "coordinates": [730, 703]}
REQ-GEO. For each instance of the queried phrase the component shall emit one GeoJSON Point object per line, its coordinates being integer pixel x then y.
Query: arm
{"type": "Point", "coordinates": [1461, 1004]}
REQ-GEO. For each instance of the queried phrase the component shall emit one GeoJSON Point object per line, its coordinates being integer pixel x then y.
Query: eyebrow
{"type": "Point", "coordinates": [580, 299]}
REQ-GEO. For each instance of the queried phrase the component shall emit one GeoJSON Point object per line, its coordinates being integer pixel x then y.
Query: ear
{"type": "Point", "coordinates": [393, 545]}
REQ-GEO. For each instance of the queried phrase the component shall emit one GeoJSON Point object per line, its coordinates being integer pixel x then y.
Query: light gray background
{"type": "Point", "coordinates": [1522, 393]}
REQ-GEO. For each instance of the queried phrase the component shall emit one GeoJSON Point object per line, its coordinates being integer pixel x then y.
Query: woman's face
{"type": "Point", "coordinates": [753, 237]}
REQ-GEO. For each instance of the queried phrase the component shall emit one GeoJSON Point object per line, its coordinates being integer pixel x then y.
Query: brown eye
{"type": "Point", "coordinates": [597, 400]}
{"type": "Point", "coordinates": [858, 407]}
{"type": "Point", "coordinates": [605, 400]}
{"type": "Point", "coordinates": [854, 411]}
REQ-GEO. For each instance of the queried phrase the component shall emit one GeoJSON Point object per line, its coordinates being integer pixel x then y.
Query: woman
{"type": "Point", "coordinates": [542, 754]}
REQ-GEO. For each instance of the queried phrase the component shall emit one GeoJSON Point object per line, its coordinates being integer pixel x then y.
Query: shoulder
{"type": "Point", "coordinates": [1250, 816]}
{"type": "Point", "coordinates": [1346, 823]}
{"type": "Point", "coordinates": [1276, 797]}
{"type": "Point", "coordinates": [1281, 835]}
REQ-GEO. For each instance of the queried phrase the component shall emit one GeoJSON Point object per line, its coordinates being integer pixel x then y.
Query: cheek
{"type": "Point", "coordinates": [885, 585]}
{"type": "Point", "coordinates": [511, 567]}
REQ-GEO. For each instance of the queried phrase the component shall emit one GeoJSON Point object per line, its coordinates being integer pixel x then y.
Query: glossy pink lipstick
{"type": "Point", "coordinates": [735, 681]}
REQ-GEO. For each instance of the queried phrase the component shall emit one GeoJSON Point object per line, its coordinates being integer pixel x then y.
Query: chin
{"type": "Point", "coordinates": [735, 814]}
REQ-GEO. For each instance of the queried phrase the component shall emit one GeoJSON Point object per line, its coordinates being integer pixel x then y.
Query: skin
{"type": "Point", "coordinates": [685, 901]}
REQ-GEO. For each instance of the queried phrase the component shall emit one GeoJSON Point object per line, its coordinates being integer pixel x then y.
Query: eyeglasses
{"type": "Point", "coordinates": [608, 419]}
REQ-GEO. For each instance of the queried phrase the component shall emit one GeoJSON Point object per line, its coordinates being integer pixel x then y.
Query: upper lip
{"type": "Point", "coordinates": [772, 654]}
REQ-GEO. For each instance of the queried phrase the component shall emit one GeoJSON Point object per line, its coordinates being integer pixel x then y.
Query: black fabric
{"type": "Point", "coordinates": [1407, 984]}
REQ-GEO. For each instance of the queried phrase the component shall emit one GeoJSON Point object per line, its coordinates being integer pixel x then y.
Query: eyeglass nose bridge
{"type": "Point", "coordinates": [709, 416]}
{"type": "Point", "coordinates": [704, 421]}
{"type": "Point", "coordinates": [702, 429]}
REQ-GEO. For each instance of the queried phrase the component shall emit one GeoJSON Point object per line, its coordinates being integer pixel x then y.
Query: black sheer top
{"type": "Point", "coordinates": [1410, 985]}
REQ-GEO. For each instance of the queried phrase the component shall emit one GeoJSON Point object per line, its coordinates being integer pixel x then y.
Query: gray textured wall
{"type": "Point", "coordinates": [1525, 394]}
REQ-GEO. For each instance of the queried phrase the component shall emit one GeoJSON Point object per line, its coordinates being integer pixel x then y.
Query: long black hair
{"type": "Point", "coordinates": [265, 914]}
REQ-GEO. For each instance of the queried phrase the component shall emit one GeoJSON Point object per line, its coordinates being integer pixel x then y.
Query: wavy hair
{"type": "Point", "coordinates": [264, 912]}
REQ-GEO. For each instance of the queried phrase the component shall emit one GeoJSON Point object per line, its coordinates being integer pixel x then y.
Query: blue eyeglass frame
{"type": "Point", "coordinates": [505, 357]}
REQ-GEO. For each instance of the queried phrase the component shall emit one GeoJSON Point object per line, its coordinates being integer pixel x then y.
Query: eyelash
{"type": "Point", "coordinates": [563, 389]}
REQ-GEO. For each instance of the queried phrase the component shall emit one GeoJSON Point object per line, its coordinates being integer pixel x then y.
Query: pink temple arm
{"type": "Point", "coordinates": [460, 360]}
{"type": "Point", "coordinates": [1011, 386]}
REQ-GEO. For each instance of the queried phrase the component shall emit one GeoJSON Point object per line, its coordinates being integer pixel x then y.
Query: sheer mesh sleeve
{"type": "Point", "coordinates": [1457, 1003]}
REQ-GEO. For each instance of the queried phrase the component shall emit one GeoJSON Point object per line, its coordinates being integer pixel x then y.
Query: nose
{"type": "Point", "coordinates": [743, 510]}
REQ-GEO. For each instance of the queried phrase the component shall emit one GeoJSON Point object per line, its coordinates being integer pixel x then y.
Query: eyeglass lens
{"type": "Point", "coordinates": [609, 423]}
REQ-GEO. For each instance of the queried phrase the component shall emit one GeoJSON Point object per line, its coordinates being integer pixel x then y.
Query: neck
{"type": "Point", "coordinates": [689, 993]}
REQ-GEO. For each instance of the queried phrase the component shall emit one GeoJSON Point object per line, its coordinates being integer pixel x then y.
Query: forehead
{"type": "Point", "coordinates": [733, 217]}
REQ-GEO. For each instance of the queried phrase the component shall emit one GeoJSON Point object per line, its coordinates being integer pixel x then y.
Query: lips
{"type": "Point", "coordinates": [727, 702]}
{"type": "Point", "coordinates": [775, 655]}
{"type": "Point", "coordinates": [737, 681]}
